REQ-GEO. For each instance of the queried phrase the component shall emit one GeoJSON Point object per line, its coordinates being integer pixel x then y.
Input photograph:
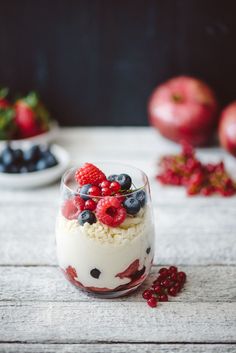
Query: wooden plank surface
{"type": "Point", "coordinates": [116, 348]}
{"type": "Point", "coordinates": [114, 321]}
{"type": "Point", "coordinates": [205, 284]}
{"type": "Point", "coordinates": [38, 307]}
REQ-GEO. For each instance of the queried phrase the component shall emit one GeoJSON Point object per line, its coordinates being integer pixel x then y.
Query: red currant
{"type": "Point", "coordinates": [172, 291]}
{"type": "Point", "coordinates": [173, 269]}
{"type": "Point", "coordinates": [152, 302]}
{"type": "Point", "coordinates": [181, 277]}
{"type": "Point", "coordinates": [106, 191]}
{"type": "Point", "coordinates": [94, 191]}
{"type": "Point", "coordinates": [163, 270]}
{"type": "Point", "coordinates": [105, 184]}
{"type": "Point", "coordinates": [166, 283]}
{"type": "Point", "coordinates": [147, 294]}
{"type": "Point", "coordinates": [90, 205]}
{"type": "Point", "coordinates": [158, 289]}
{"type": "Point", "coordinates": [115, 186]}
{"type": "Point", "coordinates": [163, 298]}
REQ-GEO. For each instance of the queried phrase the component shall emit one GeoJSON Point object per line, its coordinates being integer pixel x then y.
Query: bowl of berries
{"type": "Point", "coordinates": [25, 119]}
{"type": "Point", "coordinates": [32, 165]}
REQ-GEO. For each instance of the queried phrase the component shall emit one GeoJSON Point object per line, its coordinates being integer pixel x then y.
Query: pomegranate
{"type": "Point", "coordinates": [227, 128]}
{"type": "Point", "coordinates": [184, 108]}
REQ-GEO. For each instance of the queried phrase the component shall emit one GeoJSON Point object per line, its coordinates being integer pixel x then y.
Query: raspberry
{"type": "Point", "coordinates": [89, 174]}
{"type": "Point", "coordinates": [69, 210]}
{"type": "Point", "coordinates": [110, 211]}
{"type": "Point", "coordinates": [79, 203]}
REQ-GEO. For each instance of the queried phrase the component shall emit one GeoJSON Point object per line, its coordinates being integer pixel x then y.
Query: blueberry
{"type": "Point", "coordinates": [8, 156]}
{"type": "Point", "coordinates": [51, 161]}
{"type": "Point", "coordinates": [18, 156]}
{"type": "Point", "coordinates": [84, 191]}
{"type": "Point", "coordinates": [141, 197]}
{"type": "Point", "coordinates": [95, 273]}
{"type": "Point", "coordinates": [132, 205]}
{"type": "Point", "coordinates": [31, 167]}
{"type": "Point", "coordinates": [41, 164]}
{"type": "Point", "coordinates": [125, 181]}
{"type": "Point", "coordinates": [112, 177]}
{"type": "Point", "coordinates": [32, 154]}
{"type": "Point", "coordinates": [86, 216]}
{"type": "Point", "coordinates": [148, 250]}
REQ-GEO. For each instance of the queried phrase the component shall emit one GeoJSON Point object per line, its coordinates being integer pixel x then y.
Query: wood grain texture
{"type": "Point", "coordinates": [78, 322]}
{"type": "Point", "coordinates": [117, 348]}
{"type": "Point", "coordinates": [205, 284]}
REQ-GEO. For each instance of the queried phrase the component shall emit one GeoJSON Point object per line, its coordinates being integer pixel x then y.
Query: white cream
{"type": "Point", "coordinates": [110, 250]}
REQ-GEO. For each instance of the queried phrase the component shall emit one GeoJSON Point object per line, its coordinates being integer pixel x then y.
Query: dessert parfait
{"type": "Point", "coordinates": [104, 230]}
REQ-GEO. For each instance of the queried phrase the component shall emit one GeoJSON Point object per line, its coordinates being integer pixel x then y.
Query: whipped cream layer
{"type": "Point", "coordinates": [107, 249]}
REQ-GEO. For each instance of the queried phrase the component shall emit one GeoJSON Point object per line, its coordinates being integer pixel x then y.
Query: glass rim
{"type": "Point", "coordinates": [73, 169]}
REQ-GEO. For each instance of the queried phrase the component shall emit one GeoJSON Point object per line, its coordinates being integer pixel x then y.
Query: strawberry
{"type": "Point", "coordinates": [3, 101]}
{"type": "Point", "coordinates": [89, 174]}
{"type": "Point", "coordinates": [31, 116]}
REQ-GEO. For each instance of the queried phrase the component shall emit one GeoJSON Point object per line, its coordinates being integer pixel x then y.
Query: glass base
{"type": "Point", "coordinates": [111, 295]}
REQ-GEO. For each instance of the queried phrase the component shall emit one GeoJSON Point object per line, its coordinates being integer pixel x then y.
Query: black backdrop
{"type": "Point", "coordinates": [95, 62]}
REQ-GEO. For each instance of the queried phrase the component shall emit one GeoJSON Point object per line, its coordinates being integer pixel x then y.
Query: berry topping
{"type": "Point", "coordinates": [132, 205]}
{"type": "Point", "coordinates": [115, 186]}
{"type": "Point", "coordinates": [90, 205]}
{"type": "Point", "coordinates": [84, 191]}
{"type": "Point", "coordinates": [112, 177]}
{"type": "Point", "coordinates": [89, 174]}
{"type": "Point", "coordinates": [94, 191]}
{"type": "Point", "coordinates": [141, 197]}
{"type": "Point", "coordinates": [86, 216]}
{"type": "Point", "coordinates": [152, 302]}
{"type": "Point", "coordinates": [69, 210]}
{"type": "Point", "coordinates": [79, 203]}
{"type": "Point", "coordinates": [105, 184]}
{"type": "Point", "coordinates": [106, 192]}
{"type": "Point", "coordinates": [125, 181]}
{"type": "Point", "coordinates": [148, 250]}
{"type": "Point", "coordinates": [110, 211]}
{"type": "Point", "coordinates": [95, 273]}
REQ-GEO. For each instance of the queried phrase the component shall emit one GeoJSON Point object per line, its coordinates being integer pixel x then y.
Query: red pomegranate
{"type": "Point", "coordinates": [227, 128]}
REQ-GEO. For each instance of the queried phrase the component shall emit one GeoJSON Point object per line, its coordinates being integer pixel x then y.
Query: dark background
{"type": "Point", "coordinates": [96, 62]}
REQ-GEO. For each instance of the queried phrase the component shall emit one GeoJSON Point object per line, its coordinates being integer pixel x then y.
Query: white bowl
{"type": "Point", "coordinates": [38, 178]}
{"type": "Point", "coordinates": [44, 138]}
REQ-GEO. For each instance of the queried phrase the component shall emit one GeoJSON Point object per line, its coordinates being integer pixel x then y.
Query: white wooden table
{"type": "Point", "coordinates": [41, 312]}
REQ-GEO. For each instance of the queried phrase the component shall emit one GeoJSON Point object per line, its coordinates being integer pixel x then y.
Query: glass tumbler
{"type": "Point", "coordinates": [105, 244]}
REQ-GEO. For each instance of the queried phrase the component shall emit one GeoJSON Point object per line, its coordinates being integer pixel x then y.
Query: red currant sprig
{"type": "Point", "coordinates": [169, 281]}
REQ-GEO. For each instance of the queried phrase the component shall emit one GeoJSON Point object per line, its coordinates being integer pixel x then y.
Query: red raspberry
{"type": "Point", "coordinates": [90, 205]}
{"type": "Point", "coordinates": [89, 174]}
{"type": "Point", "coordinates": [110, 211]}
{"type": "Point", "coordinates": [69, 210]}
{"type": "Point", "coordinates": [79, 203]}
{"type": "Point", "coordinates": [94, 191]}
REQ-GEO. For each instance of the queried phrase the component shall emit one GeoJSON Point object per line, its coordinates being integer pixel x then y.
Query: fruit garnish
{"type": "Point", "coordinates": [90, 205]}
{"type": "Point", "coordinates": [132, 205]}
{"type": "Point", "coordinates": [79, 203]}
{"type": "Point", "coordinates": [86, 216]}
{"type": "Point", "coordinates": [198, 178]}
{"type": "Point", "coordinates": [7, 122]}
{"type": "Point", "coordinates": [110, 211]}
{"type": "Point", "coordinates": [69, 210]}
{"type": "Point", "coordinates": [125, 181]}
{"type": "Point", "coordinates": [168, 282]}
{"type": "Point", "coordinates": [89, 174]}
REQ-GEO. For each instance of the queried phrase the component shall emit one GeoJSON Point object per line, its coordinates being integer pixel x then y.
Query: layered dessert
{"type": "Point", "coordinates": [104, 231]}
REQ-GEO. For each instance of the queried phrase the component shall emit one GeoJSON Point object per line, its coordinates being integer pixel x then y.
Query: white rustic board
{"type": "Point", "coordinates": [41, 312]}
